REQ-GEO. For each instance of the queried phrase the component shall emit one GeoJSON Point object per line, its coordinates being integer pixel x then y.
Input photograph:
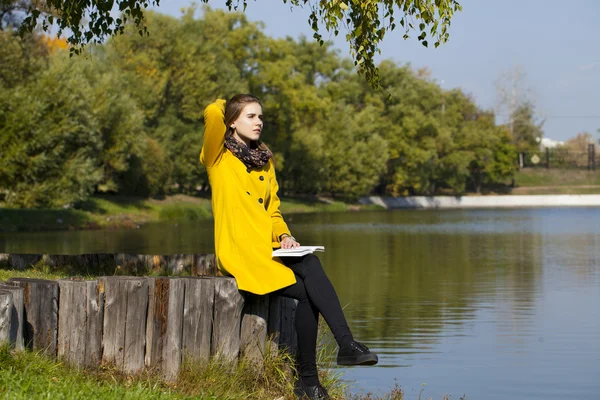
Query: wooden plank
{"type": "Point", "coordinates": [173, 335]}
{"type": "Point", "coordinates": [72, 321]}
{"type": "Point", "coordinates": [40, 313]}
{"type": "Point", "coordinates": [178, 264]}
{"type": "Point", "coordinates": [288, 341]}
{"type": "Point", "coordinates": [204, 265]}
{"type": "Point", "coordinates": [157, 263]}
{"type": "Point", "coordinates": [6, 305]}
{"type": "Point", "coordinates": [253, 332]}
{"type": "Point", "coordinates": [22, 261]}
{"type": "Point", "coordinates": [136, 264]}
{"type": "Point", "coordinates": [135, 329]}
{"type": "Point", "coordinates": [197, 318]}
{"type": "Point", "coordinates": [227, 315]}
{"type": "Point", "coordinates": [94, 311]}
{"type": "Point", "coordinates": [156, 320]}
{"type": "Point", "coordinates": [17, 315]}
{"type": "Point", "coordinates": [124, 325]}
{"type": "Point", "coordinates": [274, 323]}
{"type": "Point", "coordinates": [164, 325]}
{"type": "Point", "coordinates": [113, 329]}
{"type": "Point", "coordinates": [80, 322]}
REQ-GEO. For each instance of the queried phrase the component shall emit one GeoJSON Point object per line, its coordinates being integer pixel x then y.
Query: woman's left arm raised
{"type": "Point", "coordinates": [214, 133]}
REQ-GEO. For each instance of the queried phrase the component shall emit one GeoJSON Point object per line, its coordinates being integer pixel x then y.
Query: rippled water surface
{"type": "Point", "coordinates": [498, 304]}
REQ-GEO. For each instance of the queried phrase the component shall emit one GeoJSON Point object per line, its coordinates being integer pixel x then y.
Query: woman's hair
{"type": "Point", "coordinates": [234, 107]}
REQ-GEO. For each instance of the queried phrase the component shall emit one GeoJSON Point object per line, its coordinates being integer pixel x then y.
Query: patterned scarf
{"type": "Point", "coordinates": [252, 158]}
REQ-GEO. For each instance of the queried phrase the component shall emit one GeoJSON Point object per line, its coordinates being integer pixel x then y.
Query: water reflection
{"type": "Point", "coordinates": [495, 304]}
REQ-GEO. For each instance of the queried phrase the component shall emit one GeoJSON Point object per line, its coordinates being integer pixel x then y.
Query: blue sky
{"type": "Point", "coordinates": [555, 45]}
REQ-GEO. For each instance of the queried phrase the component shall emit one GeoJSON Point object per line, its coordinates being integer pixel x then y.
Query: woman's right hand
{"type": "Point", "coordinates": [289, 242]}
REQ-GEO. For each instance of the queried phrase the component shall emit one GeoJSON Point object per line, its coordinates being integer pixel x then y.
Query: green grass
{"type": "Point", "coordinates": [29, 273]}
{"type": "Point", "coordinates": [183, 212]}
{"type": "Point", "coordinates": [528, 177]}
{"type": "Point", "coordinates": [27, 375]}
{"type": "Point", "coordinates": [27, 220]}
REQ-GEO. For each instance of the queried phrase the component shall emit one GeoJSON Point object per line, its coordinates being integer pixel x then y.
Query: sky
{"type": "Point", "coordinates": [555, 44]}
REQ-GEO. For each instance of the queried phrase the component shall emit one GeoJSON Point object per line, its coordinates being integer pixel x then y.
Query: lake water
{"type": "Point", "coordinates": [494, 304]}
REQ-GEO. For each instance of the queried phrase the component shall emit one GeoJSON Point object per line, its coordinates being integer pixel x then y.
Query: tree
{"type": "Point", "coordinates": [526, 132]}
{"type": "Point", "coordinates": [367, 21]}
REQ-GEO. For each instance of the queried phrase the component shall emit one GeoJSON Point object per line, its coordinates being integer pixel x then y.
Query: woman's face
{"type": "Point", "coordinates": [249, 123]}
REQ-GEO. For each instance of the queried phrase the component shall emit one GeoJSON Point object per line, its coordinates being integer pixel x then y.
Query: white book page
{"type": "Point", "coordinates": [297, 251]}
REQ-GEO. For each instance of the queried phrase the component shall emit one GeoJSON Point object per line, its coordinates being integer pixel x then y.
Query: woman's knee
{"type": "Point", "coordinates": [311, 265]}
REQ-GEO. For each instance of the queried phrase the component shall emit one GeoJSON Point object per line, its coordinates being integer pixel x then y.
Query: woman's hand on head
{"type": "Point", "coordinates": [289, 243]}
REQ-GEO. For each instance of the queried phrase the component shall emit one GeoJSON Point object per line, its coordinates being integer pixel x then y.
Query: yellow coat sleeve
{"type": "Point", "coordinates": [214, 133]}
{"type": "Point", "coordinates": [279, 225]}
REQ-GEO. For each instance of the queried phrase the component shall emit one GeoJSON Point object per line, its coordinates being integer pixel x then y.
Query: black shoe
{"type": "Point", "coordinates": [316, 392]}
{"type": "Point", "coordinates": [356, 353]}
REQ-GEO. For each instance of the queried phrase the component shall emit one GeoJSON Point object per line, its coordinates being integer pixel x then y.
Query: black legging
{"type": "Point", "coordinates": [315, 294]}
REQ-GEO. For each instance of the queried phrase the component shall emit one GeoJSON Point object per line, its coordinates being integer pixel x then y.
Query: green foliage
{"type": "Point", "coordinates": [128, 119]}
{"type": "Point", "coordinates": [148, 174]}
{"type": "Point", "coordinates": [49, 141]}
{"type": "Point", "coordinates": [367, 22]}
{"type": "Point", "coordinates": [526, 132]}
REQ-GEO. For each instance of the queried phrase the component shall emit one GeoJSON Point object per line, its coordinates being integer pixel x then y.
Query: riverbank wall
{"type": "Point", "coordinates": [458, 202]}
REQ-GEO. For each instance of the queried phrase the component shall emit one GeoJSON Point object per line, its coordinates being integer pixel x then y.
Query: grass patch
{"type": "Point", "coordinates": [30, 273]}
{"type": "Point", "coordinates": [12, 219]}
{"type": "Point", "coordinates": [527, 177]}
{"type": "Point", "coordinates": [27, 375]}
{"type": "Point", "coordinates": [183, 212]}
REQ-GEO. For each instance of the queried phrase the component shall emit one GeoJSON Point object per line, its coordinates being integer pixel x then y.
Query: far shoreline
{"type": "Point", "coordinates": [118, 212]}
{"type": "Point", "coordinates": [487, 201]}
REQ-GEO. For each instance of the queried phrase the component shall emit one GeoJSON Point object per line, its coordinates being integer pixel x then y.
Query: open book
{"type": "Point", "coordinates": [297, 252]}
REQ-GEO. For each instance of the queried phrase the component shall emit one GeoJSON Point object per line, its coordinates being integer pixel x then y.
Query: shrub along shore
{"type": "Point", "coordinates": [131, 212]}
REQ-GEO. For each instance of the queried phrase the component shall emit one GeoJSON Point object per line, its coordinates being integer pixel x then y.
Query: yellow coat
{"type": "Point", "coordinates": [245, 206]}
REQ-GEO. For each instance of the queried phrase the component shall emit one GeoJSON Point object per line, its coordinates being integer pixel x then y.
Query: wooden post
{"type": "Point", "coordinates": [253, 335]}
{"type": "Point", "coordinates": [41, 313]}
{"type": "Point", "coordinates": [82, 263]}
{"type": "Point", "coordinates": [22, 261]}
{"type": "Point", "coordinates": [164, 325]}
{"type": "Point", "coordinates": [274, 323]}
{"type": "Point", "coordinates": [180, 263]}
{"type": "Point", "coordinates": [204, 264]}
{"type": "Point", "coordinates": [288, 341]}
{"type": "Point", "coordinates": [132, 263]}
{"type": "Point", "coordinates": [124, 325]}
{"type": "Point", "coordinates": [198, 309]}
{"type": "Point", "coordinates": [6, 305]}
{"type": "Point", "coordinates": [80, 314]}
{"type": "Point", "coordinates": [16, 320]}
{"type": "Point", "coordinates": [226, 325]}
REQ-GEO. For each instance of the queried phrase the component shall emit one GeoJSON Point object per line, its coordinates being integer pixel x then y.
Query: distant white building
{"type": "Point", "coordinates": [550, 143]}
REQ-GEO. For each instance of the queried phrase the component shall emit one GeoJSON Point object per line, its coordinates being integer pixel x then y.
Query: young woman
{"type": "Point", "coordinates": [248, 225]}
